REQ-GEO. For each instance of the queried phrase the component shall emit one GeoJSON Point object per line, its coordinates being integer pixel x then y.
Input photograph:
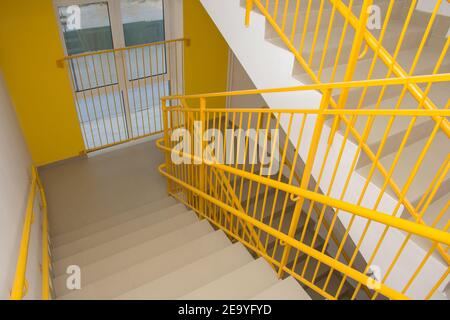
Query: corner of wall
{"type": "Point", "coordinates": [40, 91]}
{"type": "Point", "coordinates": [206, 57]}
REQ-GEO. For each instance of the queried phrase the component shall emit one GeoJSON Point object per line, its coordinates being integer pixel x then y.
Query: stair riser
{"type": "Point", "coordinates": [100, 252]}
{"type": "Point", "coordinates": [389, 42]}
{"type": "Point", "coordinates": [257, 276]}
{"type": "Point", "coordinates": [116, 232]}
{"type": "Point", "coordinates": [152, 269]}
{"type": "Point", "coordinates": [116, 220]}
{"type": "Point", "coordinates": [135, 255]}
{"type": "Point", "coordinates": [193, 276]}
{"type": "Point", "coordinates": [326, 16]}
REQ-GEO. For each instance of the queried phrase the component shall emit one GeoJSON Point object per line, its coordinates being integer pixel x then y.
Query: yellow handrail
{"type": "Point", "coordinates": [19, 287]}
{"type": "Point", "coordinates": [45, 264]}
{"type": "Point", "coordinates": [441, 238]}
{"type": "Point", "coordinates": [139, 46]}
{"type": "Point", "coordinates": [361, 278]}
{"type": "Point", "coordinates": [430, 233]}
{"type": "Point", "coordinates": [357, 24]}
{"type": "Point", "coordinates": [390, 61]}
{"type": "Point", "coordinates": [224, 180]}
{"type": "Point", "coordinates": [136, 77]}
{"type": "Point", "coordinates": [436, 78]}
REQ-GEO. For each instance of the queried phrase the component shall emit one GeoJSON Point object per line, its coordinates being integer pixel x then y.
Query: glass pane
{"type": "Point", "coordinates": [87, 28]}
{"type": "Point", "coordinates": [143, 21]}
{"type": "Point", "coordinates": [143, 24]}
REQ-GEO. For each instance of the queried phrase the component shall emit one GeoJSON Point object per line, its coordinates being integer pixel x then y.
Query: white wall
{"type": "Point", "coordinates": [15, 165]}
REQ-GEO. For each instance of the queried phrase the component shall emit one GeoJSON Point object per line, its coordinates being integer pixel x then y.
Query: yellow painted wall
{"type": "Point", "coordinates": [206, 58]}
{"type": "Point", "coordinates": [41, 93]}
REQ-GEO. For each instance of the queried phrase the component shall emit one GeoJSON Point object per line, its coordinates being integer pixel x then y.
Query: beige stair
{"type": "Point", "coordinates": [286, 289]}
{"type": "Point", "coordinates": [109, 234]}
{"type": "Point", "coordinates": [439, 149]}
{"type": "Point", "coordinates": [106, 249]}
{"type": "Point", "coordinates": [151, 269]}
{"type": "Point", "coordinates": [112, 221]}
{"type": "Point", "coordinates": [426, 64]}
{"type": "Point", "coordinates": [136, 254]}
{"type": "Point", "coordinates": [243, 283]}
{"type": "Point", "coordinates": [193, 276]}
{"type": "Point", "coordinates": [161, 251]}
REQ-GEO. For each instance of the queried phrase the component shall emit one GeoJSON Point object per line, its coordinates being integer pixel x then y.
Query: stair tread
{"type": "Point", "coordinates": [106, 249]}
{"type": "Point", "coordinates": [315, 5]}
{"type": "Point", "coordinates": [287, 289]}
{"type": "Point", "coordinates": [151, 269]}
{"type": "Point", "coordinates": [434, 157]}
{"type": "Point", "coordinates": [431, 213]}
{"type": "Point", "coordinates": [192, 276]}
{"type": "Point", "coordinates": [240, 284]}
{"type": "Point", "coordinates": [117, 231]}
{"type": "Point", "coordinates": [141, 252]}
{"type": "Point", "coordinates": [426, 65]}
{"type": "Point", "coordinates": [401, 123]}
{"type": "Point", "coordinates": [112, 221]}
{"type": "Point", "coordinates": [389, 41]}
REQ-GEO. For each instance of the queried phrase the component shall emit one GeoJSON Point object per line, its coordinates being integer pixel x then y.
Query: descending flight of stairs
{"type": "Point", "coordinates": [259, 45]}
{"type": "Point", "coordinates": [163, 251]}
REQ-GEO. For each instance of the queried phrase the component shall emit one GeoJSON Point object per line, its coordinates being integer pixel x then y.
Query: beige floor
{"type": "Point", "coordinates": [83, 191]}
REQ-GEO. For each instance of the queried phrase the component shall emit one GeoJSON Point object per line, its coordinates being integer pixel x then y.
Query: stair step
{"type": "Point", "coordinates": [426, 65]}
{"type": "Point", "coordinates": [336, 31]}
{"type": "Point", "coordinates": [240, 284]}
{"type": "Point", "coordinates": [112, 221]}
{"type": "Point", "coordinates": [192, 276]}
{"type": "Point", "coordinates": [287, 289]}
{"type": "Point", "coordinates": [141, 252]}
{"type": "Point", "coordinates": [151, 269]}
{"type": "Point", "coordinates": [436, 155]}
{"type": "Point", "coordinates": [431, 213]}
{"type": "Point", "coordinates": [117, 231]}
{"type": "Point", "coordinates": [315, 5]}
{"type": "Point", "coordinates": [422, 126]}
{"type": "Point", "coordinates": [104, 250]}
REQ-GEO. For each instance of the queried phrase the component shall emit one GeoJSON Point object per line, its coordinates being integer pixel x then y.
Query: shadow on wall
{"type": "Point", "coordinates": [15, 165]}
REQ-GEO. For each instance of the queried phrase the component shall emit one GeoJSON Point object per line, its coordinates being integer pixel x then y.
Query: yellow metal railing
{"type": "Point", "coordinates": [20, 286]}
{"type": "Point", "coordinates": [294, 21]}
{"type": "Point", "coordinates": [118, 92]}
{"type": "Point", "coordinates": [222, 182]}
{"type": "Point", "coordinates": [279, 15]}
{"type": "Point", "coordinates": [279, 208]}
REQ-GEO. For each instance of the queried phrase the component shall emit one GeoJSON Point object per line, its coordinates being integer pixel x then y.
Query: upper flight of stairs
{"type": "Point", "coordinates": [259, 45]}
{"type": "Point", "coordinates": [163, 251]}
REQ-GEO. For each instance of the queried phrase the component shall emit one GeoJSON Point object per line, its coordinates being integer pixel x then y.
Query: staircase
{"type": "Point", "coordinates": [163, 251]}
{"type": "Point", "coordinates": [351, 196]}
{"type": "Point", "coordinates": [260, 45]}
